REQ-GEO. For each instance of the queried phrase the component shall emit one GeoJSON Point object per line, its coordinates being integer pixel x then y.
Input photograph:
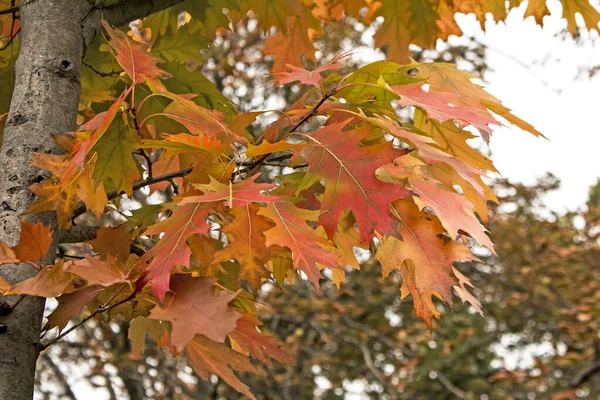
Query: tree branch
{"type": "Point", "coordinates": [10, 10]}
{"type": "Point", "coordinates": [121, 13]}
{"type": "Point", "coordinates": [586, 374]}
{"type": "Point", "coordinates": [138, 185]}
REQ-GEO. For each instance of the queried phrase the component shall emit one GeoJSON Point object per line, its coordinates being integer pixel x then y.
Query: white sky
{"type": "Point", "coordinates": [550, 97]}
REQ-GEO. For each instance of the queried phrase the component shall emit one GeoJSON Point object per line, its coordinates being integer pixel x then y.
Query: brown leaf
{"type": "Point", "coordinates": [193, 308]}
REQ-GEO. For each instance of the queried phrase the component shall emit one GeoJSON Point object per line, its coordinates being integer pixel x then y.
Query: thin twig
{"type": "Point", "coordinates": [102, 74]}
{"type": "Point", "coordinates": [253, 168]}
{"type": "Point", "coordinates": [138, 185]}
{"type": "Point", "coordinates": [10, 10]}
{"type": "Point", "coordinates": [450, 386]}
{"type": "Point", "coordinates": [100, 309]}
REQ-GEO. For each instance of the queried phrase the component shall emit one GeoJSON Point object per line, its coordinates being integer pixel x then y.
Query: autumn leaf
{"type": "Point", "coordinates": [137, 63]}
{"type": "Point", "coordinates": [257, 344]}
{"type": "Point", "coordinates": [309, 249]}
{"type": "Point", "coordinates": [294, 41]}
{"type": "Point", "coordinates": [348, 170]}
{"type": "Point", "coordinates": [50, 281]}
{"type": "Point", "coordinates": [66, 189]}
{"type": "Point", "coordinates": [431, 254]}
{"type": "Point", "coordinates": [307, 77]}
{"type": "Point", "coordinates": [34, 242]}
{"type": "Point", "coordinates": [192, 308]}
{"type": "Point", "coordinates": [97, 272]}
{"type": "Point", "coordinates": [208, 357]}
{"type": "Point", "coordinates": [247, 244]}
{"type": "Point", "coordinates": [232, 194]}
{"type": "Point", "coordinates": [454, 212]}
{"type": "Point", "coordinates": [171, 249]}
{"type": "Point", "coordinates": [112, 241]}
{"type": "Point", "coordinates": [70, 305]}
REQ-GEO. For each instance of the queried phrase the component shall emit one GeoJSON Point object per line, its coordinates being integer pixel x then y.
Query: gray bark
{"type": "Point", "coordinates": [54, 36]}
{"type": "Point", "coordinates": [45, 99]}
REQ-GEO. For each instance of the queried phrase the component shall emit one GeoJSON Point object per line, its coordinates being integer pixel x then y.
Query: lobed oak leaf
{"type": "Point", "coordinates": [68, 186]}
{"type": "Point", "coordinates": [69, 306]}
{"type": "Point", "coordinates": [34, 242]}
{"type": "Point", "coordinates": [309, 249]}
{"type": "Point", "coordinates": [247, 244]}
{"type": "Point", "coordinates": [97, 272]}
{"type": "Point", "coordinates": [133, 57]}
{"type": "Point", "coordinates": [306, 77]}
{"type": "Point", "coordinates": [192, 308]}
{"type": "Point", "coordinates": [171, 249]}
{"type": "Point", "coordinates": [453, 210]}
{"type": "Point", "coordinates": [348, 171]}
{"type": "Point", "coordinates": [447, 78]}
{"type": "Point", "coordinates": [115, 164]}
{"type": "Point", "coordinates": [289, 45]}
{"type": "Point", "coordinates": [271, 13]}
{"type": "Point", "coordinates": [139, 328]}
{"type": "Point", "coordinates": [50, 281]}
{"type": "Point", "coordinates": [257, 344]}
{"type": "Point", "coordinates": [464, 294]}
{"type": "Point", "coordinates": [208, 357]}
{"type": "Point", "coordinates": [112, 241]}
{"type": "Point", "coordinates": [438, 106]}
{"type": "Point", "coordinates": [233, 194]}
{"type": "Point", "coordinates": [431, 254]}
{"type": "Point", "coordinates": [185, 143]}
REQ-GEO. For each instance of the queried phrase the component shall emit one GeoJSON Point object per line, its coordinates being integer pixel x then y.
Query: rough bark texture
{"type": "Point", "coordinates": [54, 36]}
{"type": "Point", "coordinates": [45, 98]}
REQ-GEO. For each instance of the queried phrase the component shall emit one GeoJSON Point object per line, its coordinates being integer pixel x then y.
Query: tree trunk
{"type": "Point", "coordinates": [45, 99]}
{"type": "Point", "coordinates": [54, 36]}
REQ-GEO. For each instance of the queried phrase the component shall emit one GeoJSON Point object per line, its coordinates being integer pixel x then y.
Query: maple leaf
{"type": "Point", "coordinates": [171, 249]}
{"type": "Point", "coordinates": [234, 194]}
{"type": "Point", "coordinates": [257, 344]}
{"type": "Point", "coordinates": [192, 308]}
{"type": "Point", "coordinates": [309, 248]}
{"type": "Point", "coordinates": [137, 63]}
{"type": "Point", "coordinates": [431, 255]}
{"type": "Point", "coordinates": [247, 244]}
{"type": "Point", "coordinates": [208, 357]}
{"type": "Point", "coordinates": [348, 170]}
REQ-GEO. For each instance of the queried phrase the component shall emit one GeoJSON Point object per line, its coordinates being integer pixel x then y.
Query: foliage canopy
{"type": "Point", "coordinates": [374, 159]}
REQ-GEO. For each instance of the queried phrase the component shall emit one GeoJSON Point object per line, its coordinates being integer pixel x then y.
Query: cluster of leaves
{"type": "Point", "coordinates": [187, 271]}
{"type": "Point", "coordinates": [362, 336]}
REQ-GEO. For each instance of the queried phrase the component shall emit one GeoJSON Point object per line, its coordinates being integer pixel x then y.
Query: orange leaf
{"type": "Point", "coordinates": [48, 282]}
{"type": "Point", "coordinates": [171, 249]}
{"type": "Point", "coordinates": [132, 56]}
{"type": "Point", "coordinates": [34, 242]}
{"type": "Point", "coordinates": [193, 308]}
{"type": "Point", "coordinates": [208, 357]}
{"type": "Point", "coordinates": [247, 244]}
